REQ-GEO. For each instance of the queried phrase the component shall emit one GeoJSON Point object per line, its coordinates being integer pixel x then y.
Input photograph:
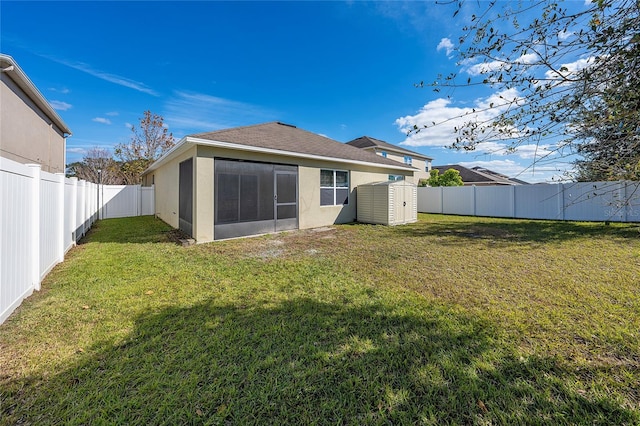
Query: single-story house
{"type": "Point", "coordinates": [480, 176]}
{"type": "Point", "coordinates": [262, 178]}
{"type": "Point", "coordinates": [394, 152]}
{"type": "Point", "coordinates": [30, 129]}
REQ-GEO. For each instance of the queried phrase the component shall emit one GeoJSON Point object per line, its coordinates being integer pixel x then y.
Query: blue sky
{"type": "Point", "coordinates": [340, 69]}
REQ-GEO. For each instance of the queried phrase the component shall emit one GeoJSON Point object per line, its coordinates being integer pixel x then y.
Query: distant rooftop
{"type": "Point", "coordinates": [480, 176]}
{"type": "Point", "coordinates": [365, 142]}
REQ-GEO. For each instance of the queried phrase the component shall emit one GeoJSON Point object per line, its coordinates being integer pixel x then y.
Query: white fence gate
{"type": "Point", "coordinates": [125, 201]}
{"type": "Point", "coordinates": [42, 215]}
{"type": "Point", "coordinates": [582, 201]}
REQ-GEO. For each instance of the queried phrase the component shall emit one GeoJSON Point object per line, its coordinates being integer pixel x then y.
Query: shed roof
{"type": "Point", "coordinates": [10, 68]}
{"type": "Point", "coordinates": [369, 142]}
{"type": "Point", "coordinates": [283, 139]}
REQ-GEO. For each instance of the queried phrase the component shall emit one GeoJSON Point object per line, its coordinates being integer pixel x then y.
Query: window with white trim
{"type": "Point", "coordinates": [408, 159]}
{"type": "Point", "coordinates": [334, 187]}
{"type": "Point", "coordinates": [383, 153]}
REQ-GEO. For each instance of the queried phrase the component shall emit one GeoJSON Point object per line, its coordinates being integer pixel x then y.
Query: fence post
{"type": "Point", "coordinates": [35, 225]}
{"type": "Point", "coordinates": [73, 213]}
{"type": "Point", "coordinates": [561, 203]}
{"type": "Point", "coordinates": [61, 215]}
{"type": "Point", "coordinates": [475, 201]}
{"type": "Point", "coordinates": [81, 206]}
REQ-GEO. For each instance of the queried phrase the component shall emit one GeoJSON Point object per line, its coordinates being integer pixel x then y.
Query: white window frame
{"type": "Point", "coordinates": [408, 160]}
{"type": "Point", "coordinates": [334, 187]}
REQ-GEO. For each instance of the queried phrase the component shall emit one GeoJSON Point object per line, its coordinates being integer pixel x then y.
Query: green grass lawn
{"type": "Point", "coordinates": [450, 320]}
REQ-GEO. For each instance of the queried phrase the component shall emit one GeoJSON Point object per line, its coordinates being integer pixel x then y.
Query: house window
{"type": "Point", "coordinates": [334, 187]}
{"type": "Point", "coordinates": [407, 159]}
{"type": "Point", "coordinates": [383, 153]}
{"type": "Point", "coordinates": [396, 177]}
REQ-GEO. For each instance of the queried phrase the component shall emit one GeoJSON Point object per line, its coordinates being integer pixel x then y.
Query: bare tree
{"type": "Point", "coordinates": [148, 142]}
{"type": "Point", "coordinates": [97, 166]}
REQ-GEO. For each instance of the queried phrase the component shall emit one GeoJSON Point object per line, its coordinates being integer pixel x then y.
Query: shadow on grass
{"type": "Point", "coordinates": [132, 230]}
{"type": "Point", "coordinates": [536, 231]}
{"type": "Point", "coordinates": [306, 362]}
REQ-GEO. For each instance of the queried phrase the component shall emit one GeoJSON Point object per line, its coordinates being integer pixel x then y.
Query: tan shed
{"type": "Point", "coordinates": [387, 203]}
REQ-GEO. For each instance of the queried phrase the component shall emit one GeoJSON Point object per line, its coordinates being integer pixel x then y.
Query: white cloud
{"type": "Point", "coordinates": [112, 113]}
{"type": "Point", "coordinates": [570, 69]}
{"type": "Point", "coordinates": [76, 150]}
{"type": "Point", "coordinates": [62, 91]}
{"type": "Point", "coordinates": [564, 35]}
{"type": "Point", "coordinates": [498, 64]}
{"type": "Point", "coordinates": [59, 105]}
{"type": "Point", "coordinates": [101, 120]}
{"type": "Point", "coordinates": [128, 125]}
{"type": "Point", "coordinates": [111, 78]}
{"type": "Point", "coordinates": [447, 45]}
{"type": "Point", "coordinates": [197, 112]}
{"type": "Point", "coordinates": [449, 117]}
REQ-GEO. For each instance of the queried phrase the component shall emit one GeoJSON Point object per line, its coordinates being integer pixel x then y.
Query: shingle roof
{"type": "Point", "coordinates": [285, 137]}
{"type": "Point", "coordinates": [368, 142]}
{"type": "Point", "coordinates": [479, 175]}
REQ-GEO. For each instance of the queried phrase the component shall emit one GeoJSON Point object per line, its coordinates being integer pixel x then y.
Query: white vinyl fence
{"type": "Point", "coordinates": [581, 201]}
{"type": "Point", "coordinates": [42, 215]}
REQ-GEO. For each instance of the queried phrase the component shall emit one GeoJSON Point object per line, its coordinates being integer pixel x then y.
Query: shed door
{"type": "Point", "coordinates": [185, 197]}
{"type": "Point", "coordinates": [399, 203]}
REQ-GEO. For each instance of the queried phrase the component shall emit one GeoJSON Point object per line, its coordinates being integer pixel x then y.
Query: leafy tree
{"type": "Point", "coordinates": [97, 166]}
{"type": "Point", "coordinates": [450, 177]}
{"type": "Point", "coordinates": [149, 141]}
{"type": "Point", "coordinates": [565, 78]}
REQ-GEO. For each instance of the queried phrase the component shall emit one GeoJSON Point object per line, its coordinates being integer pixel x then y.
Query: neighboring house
{"type": "Point", "coordinates": [393, 152]}
{"type": "Point", "coordinates": [479, 176]}
{"type": "Point", "coordinates": [30, 130]}
{"type": "Point", "coordinates": [263, 178]}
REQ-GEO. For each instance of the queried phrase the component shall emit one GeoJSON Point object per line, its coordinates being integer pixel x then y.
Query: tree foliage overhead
{"type": "Point", "coordinates": [565, 80]}
{"type": "Point", "coordinates": [148, 142]}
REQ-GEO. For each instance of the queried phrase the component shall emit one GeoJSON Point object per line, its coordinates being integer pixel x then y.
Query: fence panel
{"type": "Point", "coordinates": [42, 215]}
{"type": "Point", "coordinates": [494, 201]}
{"type": "Point", "coordinates": [429, 199]}
{"type": "Point", "coordinates": [596, 201]}
{"type": "Point", "coordinates": [459, 200]}
{"type": "Point", "coordinates": [16, 234]}
{"type": "Point", "coordinates": [147, 200]}
{"type": "Point", "coordinates": [120, 201]}
{"type": "Point", "coordinates": [632, 195]}
{"type": "Point", "coordinates": [70, 198]}
{"type": "Point", "coordinates": [51, 214]}
{"type": "Point", "coordinates": [538, 202]}
{"type": "Point", "coordinates": [587, 201]}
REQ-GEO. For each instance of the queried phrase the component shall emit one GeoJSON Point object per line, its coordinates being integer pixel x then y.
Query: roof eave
{"type": "Point", "coordinates": [23, 81]}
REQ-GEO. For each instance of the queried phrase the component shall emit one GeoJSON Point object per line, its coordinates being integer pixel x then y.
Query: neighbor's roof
{"type": "Point", "coordinates": [369, 142]}
{"type": "Point", "coordinates": [480, 175]}
{"type": "Point", "coordinates": [283, 139]}
{"type": "Point", "coordinates": [10, 68]}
